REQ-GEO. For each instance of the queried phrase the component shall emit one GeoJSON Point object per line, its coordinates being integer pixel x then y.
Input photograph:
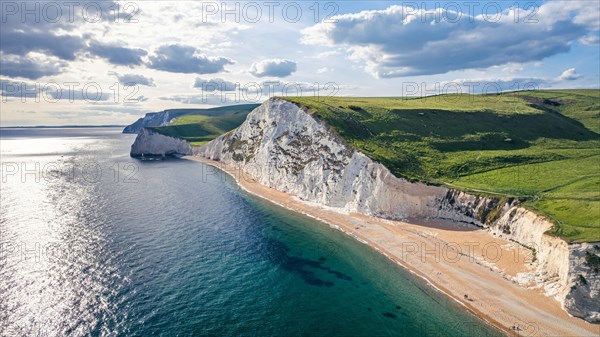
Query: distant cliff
{"type": "Point", "coordinates": [150, 143]}
{"type": "Point", "coordinates": [285, 148]}
{"type": "Point", "coordinates": [150, 119]}
{"type": "Point", "coordinates": [163, 118]}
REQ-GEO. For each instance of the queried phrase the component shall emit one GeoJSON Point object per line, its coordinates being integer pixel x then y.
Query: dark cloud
{"type": "Point", "coordinates": [32, 69]}
{"type": "Point", "coordinates": [133, 79]}
{"type": "Point", "coordinates": [273, 68]}
{"type": "Point", "coordinates": [21, 43]}
{"type": "Point", "coordinates": [397, 41]}
{"type": "Point", "coordinates": [187, 60]}
{"type": "Point", "coordinates": [117, 54]}
{"type": "Point", "coordinates": [47, 27]}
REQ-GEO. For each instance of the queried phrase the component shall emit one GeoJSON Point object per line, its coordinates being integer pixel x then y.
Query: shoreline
{"type": "Point", "coordinates": [480, 286]}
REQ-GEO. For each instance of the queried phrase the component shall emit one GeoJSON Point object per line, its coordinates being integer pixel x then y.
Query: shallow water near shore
{"type": "Point", "coordinates": [96, 243]}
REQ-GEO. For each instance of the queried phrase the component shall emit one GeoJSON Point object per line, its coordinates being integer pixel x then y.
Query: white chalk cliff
{"type": "Point", "coordinates": [285, 148]}
{"type": "Point", "coordinates": [150, 143]}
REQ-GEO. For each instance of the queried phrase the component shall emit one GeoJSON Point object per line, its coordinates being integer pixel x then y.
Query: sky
{"type": "Point", "coordinates": [106, 62]}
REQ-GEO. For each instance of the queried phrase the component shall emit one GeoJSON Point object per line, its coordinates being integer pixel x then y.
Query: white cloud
{"type": "Point", "coordinates": [590, 40]}
{"type": "Point", "coordinates": [512, 69]}
{"type": "Point", "coordinates": [397, 42]}
{"type": "Point", "coordinates": [186, 59]}
{"type": "Point", "coordinates": [569, 75]}
{"type": "Point", "coordinates": [33, 66]}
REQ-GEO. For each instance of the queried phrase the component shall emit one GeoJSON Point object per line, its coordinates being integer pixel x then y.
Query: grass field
{"type": "Point", "coordinates": [540, 146]}
{"type": "Point", "coordinates": [203, 126]}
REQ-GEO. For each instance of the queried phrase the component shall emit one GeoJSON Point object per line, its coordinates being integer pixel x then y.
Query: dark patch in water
{"type": "Point", "coordinates": [389, 315]}
{"type": "Point", "coordinates": [398, 307]}
{"type": "Point", "coordinates": [369, 309]}
{"type": "Point", "coordinates": [301, 266]}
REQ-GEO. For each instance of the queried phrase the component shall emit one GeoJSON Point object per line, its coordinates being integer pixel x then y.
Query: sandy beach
{"type": "Point", "coordinates": [468, 264]}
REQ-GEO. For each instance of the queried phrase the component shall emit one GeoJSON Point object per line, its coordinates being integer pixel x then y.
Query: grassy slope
{"type": "Point", "coordinates": [540, 146]}
{"type": "Point", "coordinates": [202, 126]}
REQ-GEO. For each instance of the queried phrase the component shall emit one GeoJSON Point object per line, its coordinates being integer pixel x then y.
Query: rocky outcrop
{"type": "Point", "coordinates": [285, 148]}
{"type": "Point", "coordinates": [150, 143]}
{"type": "Point", "coordinates": [583, 297]}
{"type": "Point", "coordinates": [567, 272]}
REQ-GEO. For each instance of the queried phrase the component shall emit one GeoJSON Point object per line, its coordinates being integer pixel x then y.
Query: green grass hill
{"type": "Point", "coordinates": [542, 147]}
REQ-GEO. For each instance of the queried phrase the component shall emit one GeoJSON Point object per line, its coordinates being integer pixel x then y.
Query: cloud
{"type": "Point", "coordinates": [273, 68]}
{"type": "Point", "coordinates": [48, 27]}
{"type": "Point", "coordinates": [116, 54]}
{"type": "Point", "coordinates": [489, 85]}
{"type": "Point", "coordinates": [590, 40]}
{"type": "Point", "coordinates": [186, 59]}
{"type": "Point", "coordinates": [398, 41]}
{"type": "Point", "coordinates": [53, 30]}
{"type": "Point", "coordinates": [215, 84]}
{"type": "Point", "coordinates": [569, 75]}
{"type": "Point", "coordinates": [133, 79]}
{"type": "Point", "coordinates": [19, 42]}
{"type": "Point", "coordinates": [324, 70]}
{"type": "Point", "coordinates": [31, 68]}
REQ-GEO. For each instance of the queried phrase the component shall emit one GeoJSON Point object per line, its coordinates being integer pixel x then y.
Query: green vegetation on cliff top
{"type": "Point", "coordinates": [203, 126]}
{"type": "Point", "coordinates": [540, 146]}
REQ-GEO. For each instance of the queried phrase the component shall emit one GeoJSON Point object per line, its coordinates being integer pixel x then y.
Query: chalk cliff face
{"type": "Point", "coordinates": [285, 148]}
{"type": "Point", "coordinates": [149, 143]}
{"type": "Point", "coordinates": [150, 119]}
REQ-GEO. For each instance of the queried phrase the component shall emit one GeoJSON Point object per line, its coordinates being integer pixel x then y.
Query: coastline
{"type": "Point", "coordinates": [479, 283]}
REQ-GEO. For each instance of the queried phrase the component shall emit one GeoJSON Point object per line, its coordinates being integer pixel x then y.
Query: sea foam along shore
{"type": "Point", "coordinates": [443, 254]}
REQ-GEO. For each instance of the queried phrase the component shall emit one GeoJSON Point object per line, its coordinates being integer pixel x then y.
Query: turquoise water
{"type": "Point", "coordinates": [163, 248]}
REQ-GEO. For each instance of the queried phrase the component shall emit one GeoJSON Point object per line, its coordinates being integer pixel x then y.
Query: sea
{"type": "Point", "coordinates": [95, 243]}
